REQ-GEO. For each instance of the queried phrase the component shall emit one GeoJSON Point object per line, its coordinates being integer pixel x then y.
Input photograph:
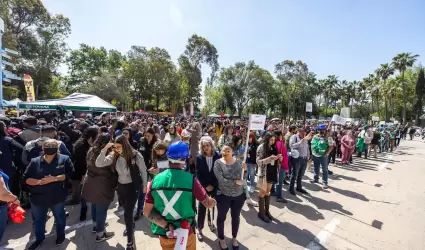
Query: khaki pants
{"type": "Point", "coordinates": [168, 244]}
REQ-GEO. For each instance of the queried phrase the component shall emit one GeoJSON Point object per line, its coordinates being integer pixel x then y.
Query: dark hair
{"type": "Point", "coordinates": [292, 127]}
{"type": "Point", "coordinates": [230, 145]}
{"type": "Point", "coordinates": [253, 137]}
{"type": "Point", "coordinates": [266, 141]}
{"type": "Point", "coordinates": [90, 133]}
{"type": "Point", "coordinates": [152, 132]}
{"type": "Point", "coordinates": [119, 125]}
{"type": "Point", "coordinates": [103, 129]}
{"type": "Point", "coordinates": [97, 146]}
{"type": "Point", "coordinates": [236, 139]}
{"type": "Point", "coordinates": [127, 150]}
{"type": "Point", "coordinates": [226, 128]}
{"type": "Point", "coordinates": [83, 126]}
{"type": "Point", "coordinates": [2, 129]}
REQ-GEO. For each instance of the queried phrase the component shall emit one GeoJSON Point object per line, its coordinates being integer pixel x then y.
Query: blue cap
{"type": "Point", "coordinates": [178, 150]}
{"type": "Point", "coordinates": [321, 127]}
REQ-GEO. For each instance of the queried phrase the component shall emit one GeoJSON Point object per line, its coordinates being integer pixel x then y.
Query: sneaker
{"type": "Point", "coordinates": [94, 228]}
{"type": "Point", "coordinates": [330, 172]}
{"type": "Point", "coordinates": [60, 240]}
{"type": "Point", "coordinates": [105, 236]}
{"type": "Point", "coordinates": [251, 189]}
{"type": "Point", "coordinates": [325, 186]}
{"type": "Point", "coordinates": [291, 191]}
{"type": "Point", "coordinates": [303, 191]}
{"type": "Point", "coordinates": [285, 182]}
{"type": "Point", "coordinates": [250, 202]}
{"type": "Point", "coordinates": [35, 245]}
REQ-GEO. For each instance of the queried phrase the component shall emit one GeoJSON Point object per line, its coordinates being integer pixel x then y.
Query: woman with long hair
{"type": "Point", "coordinates": [348, 145]}
{"type": "Point", "coordinates": [145, 148]}
{"type": "Point", "coordinates": [226, 137]}
{"type": "Point", "coordinates": [205, 161]}
{"type": "Point", "coordinates": [131, 170]}
{"type": "Point", "coordinates": [171, 136]}
{"type": "Point", "coordinates": [127, 133]}
{"type": "Point", "coordinates": [268, 164]}
{"type": "Point", "coordinates": [80, 149]}
{"type": "Point", "coordinates": [118, 127]}
{"type": "Point", "coordinates": [98, 187]}
{"type": "Point", "coordinates": [230, 194]}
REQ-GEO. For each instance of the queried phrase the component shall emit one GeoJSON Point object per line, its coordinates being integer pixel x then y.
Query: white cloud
{"type": "Point", "coordinates": [175, 15]}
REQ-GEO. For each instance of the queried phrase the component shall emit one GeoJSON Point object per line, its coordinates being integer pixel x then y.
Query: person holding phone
{"type": "Point", "coordinates": [268, 161]}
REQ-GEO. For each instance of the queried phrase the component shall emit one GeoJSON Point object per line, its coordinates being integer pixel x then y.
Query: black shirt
{"type": "Point", "coordinates": [53, 193]}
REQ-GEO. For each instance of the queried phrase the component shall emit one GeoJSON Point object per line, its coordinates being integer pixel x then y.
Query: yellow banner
{"type": "Point", "coordinates": [29, 88]}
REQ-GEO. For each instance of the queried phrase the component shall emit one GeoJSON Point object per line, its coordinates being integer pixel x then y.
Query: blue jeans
{"type": "Point", "coordinates": [251, 174]}
{"type": "Point", "coordinates": [280, 184]}
{"type": "Point", "coordinates": [39, 214]}
{"type": "Point", "coordinates": [317, 162]}
{"type": "Point", "coordinates": [299, 166]}
{"type": "Point", "coordinates": [3, 219]}
{"type": "Point", "coordinates": [98, 215]}
{"type": "Point", "coordinates": [140, 201]}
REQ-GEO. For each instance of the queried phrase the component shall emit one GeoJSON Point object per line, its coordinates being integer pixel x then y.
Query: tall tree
{"type": "Point", "coordinates": [198, 51]}
{"type": "Point", "coordinates": [420, 92]}
{"type": "Point", "coordinates": [385, 71]}
{"type": "Point", "coordinates": [401, 62]}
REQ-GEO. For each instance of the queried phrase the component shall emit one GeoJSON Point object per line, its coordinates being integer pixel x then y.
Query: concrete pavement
{"type": "Point", "coordinates": [373, 204]}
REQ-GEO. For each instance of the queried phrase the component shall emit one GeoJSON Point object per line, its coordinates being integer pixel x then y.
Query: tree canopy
{"type": "Point", "coordinates": [149, 79]}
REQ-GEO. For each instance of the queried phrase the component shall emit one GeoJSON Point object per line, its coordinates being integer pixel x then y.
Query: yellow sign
{"type": "Point", "coordinates": [29, 88]}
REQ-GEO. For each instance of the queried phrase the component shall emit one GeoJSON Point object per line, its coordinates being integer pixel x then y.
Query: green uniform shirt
{"type": "Point", "coordinates": [172, 191]}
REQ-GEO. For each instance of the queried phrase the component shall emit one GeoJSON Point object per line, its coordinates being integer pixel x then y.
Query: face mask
{"type": "Point", "coordinates": [50, 151]}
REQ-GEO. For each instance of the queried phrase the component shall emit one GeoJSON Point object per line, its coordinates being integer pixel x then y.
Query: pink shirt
{"type": "Point", "coordinates": [281, 149]}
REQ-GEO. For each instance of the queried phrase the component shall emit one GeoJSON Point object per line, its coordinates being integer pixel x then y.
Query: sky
{"type": "Point", "coordinates": [346, 38]}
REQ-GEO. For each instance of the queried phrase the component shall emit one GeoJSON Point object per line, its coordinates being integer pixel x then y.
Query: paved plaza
{"type": "Point", "coordinates": [378, 203]}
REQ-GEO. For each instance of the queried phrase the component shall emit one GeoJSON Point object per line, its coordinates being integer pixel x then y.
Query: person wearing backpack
{"type": "Point", "coordinates": [132, 173]}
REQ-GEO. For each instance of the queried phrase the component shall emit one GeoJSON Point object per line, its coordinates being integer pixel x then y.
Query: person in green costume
{"type": "Point", "coordinates": [170, 199]}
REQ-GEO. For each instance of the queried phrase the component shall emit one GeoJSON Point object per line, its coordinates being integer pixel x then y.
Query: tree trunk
{"type": "Point", "coordinates": [377, 103]}
{"type": "Point", "coordinates": [404, 97]}
{"type": "Point", "coordinates": [392, 104]}
{"type": "Point", "coordinates": [386, 109]}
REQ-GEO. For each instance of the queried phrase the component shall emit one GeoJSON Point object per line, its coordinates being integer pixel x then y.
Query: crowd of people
{"type": "Point", "coordinates": [159, 166]}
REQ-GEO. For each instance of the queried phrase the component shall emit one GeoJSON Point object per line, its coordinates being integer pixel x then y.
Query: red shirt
{"type": "Point", "coordinates": [198, 191]}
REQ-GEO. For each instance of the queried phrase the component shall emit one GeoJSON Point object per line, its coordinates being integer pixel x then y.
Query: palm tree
{"type": "Point", "coordinates": [401, 62]}
{"type": "Point", "coordinates": [369, 83]}
{"type": "Point", "coordinates": [384, 72]}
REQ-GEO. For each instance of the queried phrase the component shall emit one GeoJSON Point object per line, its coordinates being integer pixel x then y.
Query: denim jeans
{"type": "Point", "coordinates": [140, 201]}
{"type": "Point", "coordinates": [280, 183]}
{"type": "Point", "coordinates": [98, 215]}
{"type": "Point", "coordinates": [299, 165]}
{"type": "Point", "coordinates": [251, 174]}
{"type": "Point", "coordinates": [3, 219]}
{"type": "Point", "coordinates": [317, 162]}
{"type": "Point", "coordinates": [39, 214]}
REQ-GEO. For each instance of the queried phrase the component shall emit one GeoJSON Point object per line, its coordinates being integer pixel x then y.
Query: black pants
{"type": "Point", "coordinates": [202, 210]}
{"type": "Point", "coordinates": [128, 195]}
{"type": "Point", "coordinates": [332, 156]}
{"type": "Point", "coordinates": [235, 204]}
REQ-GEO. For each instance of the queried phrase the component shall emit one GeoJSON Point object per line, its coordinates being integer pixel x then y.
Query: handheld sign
{"type": "Point", "coordinates": [256, 122]}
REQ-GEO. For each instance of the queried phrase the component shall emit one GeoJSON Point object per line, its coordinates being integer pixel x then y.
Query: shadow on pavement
{"type": "Point", "coordinates": [291, 232]}
{"type": "Point", "coordinates": [327, 205]}
{"type": "Point", "coordinates": [349, 193]}
{"type": "Point", "coordinates": [343, 177]}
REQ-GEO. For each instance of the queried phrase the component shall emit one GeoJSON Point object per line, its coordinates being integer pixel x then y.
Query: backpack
{"type": "Point", "coordinates": [35, 151]}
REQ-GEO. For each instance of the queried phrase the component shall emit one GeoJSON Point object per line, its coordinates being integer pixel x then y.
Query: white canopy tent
{"type": "Point", "coordinates": [74, 102]}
